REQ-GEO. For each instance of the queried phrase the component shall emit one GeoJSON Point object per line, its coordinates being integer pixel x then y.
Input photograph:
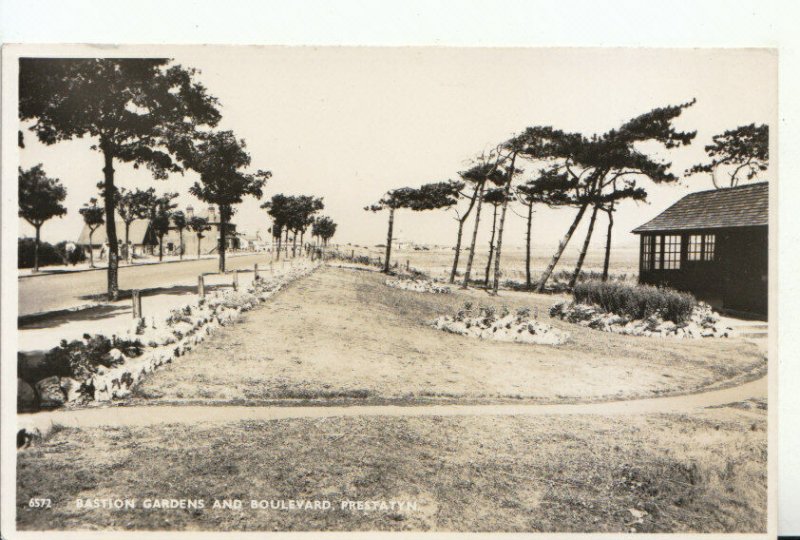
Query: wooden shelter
{"type": "Point", "coordinates": [713, 244]}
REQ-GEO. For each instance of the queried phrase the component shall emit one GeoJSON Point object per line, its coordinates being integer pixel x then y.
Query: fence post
{"type": "Point", "coordinates": [235, 280]}
{"type": "Point", "coordinates": [137, 304]}
{"type": "Point", "coordinates": [201, 287]}
{"type": "Point", "coordinates": [255, 272]}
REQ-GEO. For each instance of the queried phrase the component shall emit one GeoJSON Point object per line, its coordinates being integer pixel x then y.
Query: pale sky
{"type": "Point", "coordinates": [348, 124]}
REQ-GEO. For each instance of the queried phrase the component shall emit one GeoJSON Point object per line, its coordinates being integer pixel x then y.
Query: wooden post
{"type": "Point", "coordinates": [201, 287]}
{"type": "Point", "coordinates": [408, 265]}
{"type": "Point", "coordinates": [352, 254]}
{"type": "Point", "coordinates": [235, 280]}
{"type": "Point", "coordinates": [137, 304]}
{"type": "Point", "coordinates": [255, 272]}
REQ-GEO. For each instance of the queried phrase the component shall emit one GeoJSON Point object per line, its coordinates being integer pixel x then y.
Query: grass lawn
{"type": "Point", "coordinates": [344, 335]}
{"type": "Point", "coordinates": [656, 473]}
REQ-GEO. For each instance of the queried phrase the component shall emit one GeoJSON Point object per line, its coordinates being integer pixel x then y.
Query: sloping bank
{"type": "Point", "coordinates": [100, 368]}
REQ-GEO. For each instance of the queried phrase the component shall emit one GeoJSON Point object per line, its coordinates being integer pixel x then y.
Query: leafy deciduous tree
{"type": "Point", "coordinates": [133, 205]}
{"type": "Point", "coordinates": [198, 225]}
{"type": "Point", "coordinates": [40, 199]}
{"type": "Point", "coordinates": [180, 223]}
{"type": "Point", "coordinates": [137, 110]}
{"type": "Point", "coordinates": [93, 217]}
{"type": "Point", "coordinates": [160, 216]}
{"type": "Point", "coordinates": [219, 157]}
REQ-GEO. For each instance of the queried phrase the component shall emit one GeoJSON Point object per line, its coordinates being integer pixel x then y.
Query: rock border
{"type": "Point", "coordinates": [162, 341]}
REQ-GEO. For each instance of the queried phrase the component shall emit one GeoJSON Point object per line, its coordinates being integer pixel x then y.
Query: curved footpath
{"type": "Point", "coordinates": [152, 415]}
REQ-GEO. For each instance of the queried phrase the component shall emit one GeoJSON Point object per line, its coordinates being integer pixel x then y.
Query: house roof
{"type": "Point", "coordinates": [137, 233]}
{"type": "Point", "coordinates": [741, 206]}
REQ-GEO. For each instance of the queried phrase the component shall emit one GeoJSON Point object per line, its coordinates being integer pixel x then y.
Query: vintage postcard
{"type": "Point", "coordinates": [411, 289]}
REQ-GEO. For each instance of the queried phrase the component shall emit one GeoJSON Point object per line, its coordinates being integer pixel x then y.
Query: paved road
{"type": "Point", "coordinates": [52, 292]}
{"type": "Point", "coordinates": [163, 414]}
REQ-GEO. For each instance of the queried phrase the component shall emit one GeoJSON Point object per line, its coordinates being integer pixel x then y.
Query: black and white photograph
{"type": "Point", "coordinates": [396, 289]}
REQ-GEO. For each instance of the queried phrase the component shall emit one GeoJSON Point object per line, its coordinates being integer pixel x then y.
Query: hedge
{"type": "Point", "coordinates": [48, 253]}
{"type": "Point", "coordinates": [636, 301]}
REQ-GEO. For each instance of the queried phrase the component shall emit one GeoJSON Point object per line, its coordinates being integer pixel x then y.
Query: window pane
{"type": "Point", "coordinates": [708, 252]}
{"type": "Point", "coordinates": [657, 252]}
{"type": "Point", "coordinates": [672, 252]}
{"type": "Point", "coordinates": [695, 251]}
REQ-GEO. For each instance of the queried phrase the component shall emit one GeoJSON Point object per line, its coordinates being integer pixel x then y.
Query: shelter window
{"type": "Point", "coordinates": [658, 244]}
{"type": "Point", "coordinates": [647, 252]}
{"type": "Point", "coordinates": [709, 241]}
{"type": "Point", "coordinates": [672, 252]}
{"type": "Point", "coordinates": [695, 251]}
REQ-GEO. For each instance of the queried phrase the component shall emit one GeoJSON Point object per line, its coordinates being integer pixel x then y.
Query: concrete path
{"type": "Point", "coordinates": [167, 414]}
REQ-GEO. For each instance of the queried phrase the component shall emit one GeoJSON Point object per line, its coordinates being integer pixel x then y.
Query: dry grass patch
{"type": "Point", "coordinates": [341, 334]}
{"type": "Point", "coordinates": [705, 473]}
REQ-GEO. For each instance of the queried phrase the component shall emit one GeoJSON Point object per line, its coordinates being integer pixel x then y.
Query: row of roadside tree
{"type": "Point", "coordinates": [148, 113]}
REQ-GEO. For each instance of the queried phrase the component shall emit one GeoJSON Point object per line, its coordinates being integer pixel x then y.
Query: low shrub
{"type": "Point", "coordinates": [81, 358]}
{"type": "Point", "coordinates": [636, 301]}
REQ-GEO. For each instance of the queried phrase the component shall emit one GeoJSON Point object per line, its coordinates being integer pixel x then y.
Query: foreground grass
{"type": "Point", "coordinates": [344, 335]}
{"type": "Point", "coordinates": [659, 473]}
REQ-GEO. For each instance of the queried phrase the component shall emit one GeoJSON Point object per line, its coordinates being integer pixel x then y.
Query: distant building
{"type": "Point", "coordinates": [144, 241]}
{"type": "Point", "coordinates": [713, 244]}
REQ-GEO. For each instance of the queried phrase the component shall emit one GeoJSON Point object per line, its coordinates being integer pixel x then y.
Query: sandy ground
{"type": "Point", "coordinates": [344, 334]}
{"type": "Point", "coordinates": [704, 472]}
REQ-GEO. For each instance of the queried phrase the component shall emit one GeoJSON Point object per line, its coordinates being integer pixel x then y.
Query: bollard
{"type": "Point", "coordinates": [201, 287]}
{"type": "Point", "coordinates": [235, 280]}
{"type": "Point", "coordinates": [255, 272]}
{"type": "Point", "coordinates": [137, 304]}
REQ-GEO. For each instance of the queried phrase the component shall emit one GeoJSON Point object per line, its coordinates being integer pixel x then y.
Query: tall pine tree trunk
{"type": "Point", "coordinates": [389, 241]}
{"type": "Point", "coordinates": [497, 272]}
{"type": "Point", "coordinates": [491, 247]}
{"type": "Point", "coordinates": [111, 225]}
{"type": "Point", "coordinates": [198, 246]}
{"type": "Point", "coordinates": [461, 222]}
{"type": "Point", "coordinates": [471, 256]}
{"type": "Point", "coordinates": [528, 247]}
{"type": "Point", "coordinates": [607, 259]}
{"type": "Point", "coordinates": [180, 254]}
{"type": "Point", "coordinates": [36, 250]}
{"type": "Point", "coordinates": [576, 274]}
{"type": "Point", "coordinates": [458, 252]}
{"type": "Point", "coordinates": [160, 248]}
{"type": "Point", "coordinates": [561, 246]}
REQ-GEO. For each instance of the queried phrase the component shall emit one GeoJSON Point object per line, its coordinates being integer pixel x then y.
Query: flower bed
{"type": "Point", "coordinates": [418, 285]}
{"type": "Point", "coordinates": [98, 368]}
{"type": "Point", "coordinates": [702, 322]}
{"type": "Point", "coordinates": [487, 323]}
